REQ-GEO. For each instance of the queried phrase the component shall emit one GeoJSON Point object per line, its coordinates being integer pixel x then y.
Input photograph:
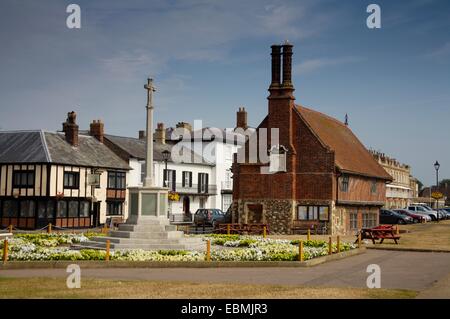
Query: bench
{"type": "Point", "coordinates": [115, 221]}
{"type": "Point", "coordinates": [381, 233]}
{"type": "Point", "coordinates": [301, 226]}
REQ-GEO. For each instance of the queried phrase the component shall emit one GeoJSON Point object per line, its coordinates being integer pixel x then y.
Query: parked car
{"type": "Point", "coordinates": [445, 213]}
{"type": "Point", "coordinates": [210, 217]}
{"type": "Point", "coordinates": [391, 217]}
{"type": "Point", "coordinates": [422, 210]}
{"type": "Point", "coordinates": [417, 218]}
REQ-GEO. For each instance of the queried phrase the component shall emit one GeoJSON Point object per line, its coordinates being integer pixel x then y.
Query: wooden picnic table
{"type": "Point", "coordinates": [379, 233]}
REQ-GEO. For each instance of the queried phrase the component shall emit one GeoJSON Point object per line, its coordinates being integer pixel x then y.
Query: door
{"type": "Point", "coordinates": [186, 205]}
{"type": "Point", "coordinates": [96, 214]}
{"type": "Point", "coordinates": [45, 213]}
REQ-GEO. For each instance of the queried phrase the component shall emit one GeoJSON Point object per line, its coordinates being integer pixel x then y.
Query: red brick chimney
{"type": "Point", "coordinates": [97, 130]}
{"type": "Point", "coordinates": [70, 129]}
{"type": "Point", "coordinates": [142, 135]}
{"type": "Point", "coordinates": [281, 100]}
{"type": "Point", "coordinates": [160, 134]}
{"type": "Point", "coordinates": [241, 118]}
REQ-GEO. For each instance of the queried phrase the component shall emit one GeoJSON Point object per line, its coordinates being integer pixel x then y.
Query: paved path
{"type": "Point", "coordinates": [403, 270]}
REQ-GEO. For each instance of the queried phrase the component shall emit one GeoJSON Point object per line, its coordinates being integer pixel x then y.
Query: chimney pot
{"type": "Point", "coordinates": [70, 129]}
{"type": "Point", "coordinates": [97, 130]}
{"type": "Point", "coordinates": [160, 133]}
{"type": "Point", "coordinates": [276, 66]}
{"type": "Point", "coordinates": [241, 118]}
{"type": "Point", "coordinates": [287, 65]}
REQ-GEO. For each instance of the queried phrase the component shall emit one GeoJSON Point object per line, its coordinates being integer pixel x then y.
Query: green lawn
{"type": "Point", "coordinates": [95, 288]}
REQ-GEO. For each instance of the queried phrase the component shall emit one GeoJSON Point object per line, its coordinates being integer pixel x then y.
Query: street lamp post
{"type": "Point", "coordinates": [166, 155]}
{"type": "Point", "coordinates": [436, 167]}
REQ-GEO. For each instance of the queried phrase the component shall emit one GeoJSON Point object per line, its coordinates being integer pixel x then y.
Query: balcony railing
{"type": "Point", "coordinates": [212, 189]}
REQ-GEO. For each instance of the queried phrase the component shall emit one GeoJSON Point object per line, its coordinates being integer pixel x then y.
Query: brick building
{"type": "Point", "coordinates": [325, 176]}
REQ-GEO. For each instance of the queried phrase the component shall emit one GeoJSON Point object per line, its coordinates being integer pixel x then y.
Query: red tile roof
{"type": "Point", "coordinates": [350, 154]}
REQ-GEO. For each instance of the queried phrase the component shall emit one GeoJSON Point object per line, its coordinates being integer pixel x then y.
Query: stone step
{"type": "Point", "coordinates": [149, 235]}
{"type": "Point", "coordinates": [117, 240]}
{"type": "Point", "coordinates": [147, 228]}
{"type": "Point", "coordinates": [144, 246]}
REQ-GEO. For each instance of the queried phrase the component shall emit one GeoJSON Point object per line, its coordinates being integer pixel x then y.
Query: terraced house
{"type": "Point", "coordinates": [320, 175]}
{"type": "Point", "coordinates": [64, 178]}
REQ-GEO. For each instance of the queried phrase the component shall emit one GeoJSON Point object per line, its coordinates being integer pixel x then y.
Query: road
{"type": "Point", "coordinates": [402, 270]}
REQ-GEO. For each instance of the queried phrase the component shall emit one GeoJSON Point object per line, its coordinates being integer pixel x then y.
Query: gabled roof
{"type": "Point", "coordinates": [135, 148]}
{"type": "Point", "coordinates": [49, 147]}
{"type": "Point", "coordinates": [350, 154]}
{"type": "Point", "coordinates": [23, 147]}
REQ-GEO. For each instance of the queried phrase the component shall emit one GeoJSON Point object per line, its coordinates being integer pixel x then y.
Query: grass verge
{"type": "Point", "coordinates": [96, 288]}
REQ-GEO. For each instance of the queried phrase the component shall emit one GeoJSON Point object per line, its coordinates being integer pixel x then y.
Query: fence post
{"type": "Point", "coordinates": [10, 229]}
{"type": "Point", "coordinates": [330, 247]}
{"type": "Point", "coordinates": [208, 250]}
{"type": "Point", "coordinates": [338, 244]}
{"type": "Point", "coordinates": [108, 246]}
{"type": "Point", "coordinates": [300, 251]}
{"type": "Point", "coordinates": [264, 232]}
{"type": "Point", "coordinates": [5, 251]}
{"type": "Point", "coordinates": [49, 228]}
{"type": "Point", "coordinates": [308, 235]}
{"type": "Point", "coordinates": [228, 229]}
{"type": "Point", "coordinates": [359, 240]}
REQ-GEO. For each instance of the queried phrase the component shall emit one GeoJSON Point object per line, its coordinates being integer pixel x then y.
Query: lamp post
{"type": "Point", "coordinates": [166, 155]}
{"type": "Point", "coordinates": [436, 167]}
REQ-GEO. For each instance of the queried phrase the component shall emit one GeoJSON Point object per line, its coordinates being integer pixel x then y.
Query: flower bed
{"type": "Point", "coordinates": [42, 247]}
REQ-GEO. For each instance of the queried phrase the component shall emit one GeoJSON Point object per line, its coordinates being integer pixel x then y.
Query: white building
{"type": "Point", "coordinates": [198, 170]}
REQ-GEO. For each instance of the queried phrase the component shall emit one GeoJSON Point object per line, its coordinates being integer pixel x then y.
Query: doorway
{"type": "Point", "coordinates": [186, 205]}
{"type": "Point", "coordinates": [96, 214]}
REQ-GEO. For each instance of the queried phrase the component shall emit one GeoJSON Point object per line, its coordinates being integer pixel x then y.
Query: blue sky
{"type": "Point", "coordinates": [210, 57]}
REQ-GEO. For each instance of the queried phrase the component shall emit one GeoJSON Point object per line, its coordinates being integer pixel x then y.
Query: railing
{"type": "Point", "coordinates": [212, 189]}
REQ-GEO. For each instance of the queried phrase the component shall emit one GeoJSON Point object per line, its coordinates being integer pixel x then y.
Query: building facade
{"type": "Point", "coordinates": [319, 173]}
{"type": "Point", "coordinates": [67, 179]}
{"type": "Point", "coordinates": [401, 192]}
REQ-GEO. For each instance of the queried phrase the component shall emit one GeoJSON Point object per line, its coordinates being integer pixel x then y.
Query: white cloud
{"type": "Point", "coordinates": [312, 65]}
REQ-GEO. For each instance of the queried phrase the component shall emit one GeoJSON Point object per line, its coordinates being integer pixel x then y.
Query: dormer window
{"type": "Point", "coordinates": [277, 159]}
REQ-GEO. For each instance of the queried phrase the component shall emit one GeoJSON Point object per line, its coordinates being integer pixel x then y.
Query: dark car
{"type": "Point", "coordinates": [417, 218]}
{"type": "Point", "coordinates": [210, 217]}
{"type": "Point", "coordinates": [391, 217]}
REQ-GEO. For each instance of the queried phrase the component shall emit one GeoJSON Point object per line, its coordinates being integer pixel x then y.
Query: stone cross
{"type": "Point", "coordinates": [148, 181]}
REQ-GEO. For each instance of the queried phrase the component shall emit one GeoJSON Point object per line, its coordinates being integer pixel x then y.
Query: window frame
{"type": "Point", "coordinates": [186, 177]}
{"type": "Point", "coordinates": [203, 181]}
{"type": "Point", "coordinates": [117, 208]}
{"type": "Point", "coordinates": [21, 173]}
{"type": "Point", "coordinates": [119, 179]}
{"type": "Point", "coordinates": [313, 213]}
{"type": "Point", "coordinates": [344, 183]}
{"type": "Point", "coordinates": [76, 180]}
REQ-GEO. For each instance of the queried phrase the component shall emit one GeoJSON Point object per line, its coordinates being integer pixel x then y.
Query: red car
{"type": "Point", "coordinates": [416, 217]}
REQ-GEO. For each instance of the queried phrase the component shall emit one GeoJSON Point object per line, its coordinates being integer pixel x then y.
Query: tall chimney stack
{"type": "Point", "coordinates": [97, 130]}
{"type": "Point", "coordinates": [70, 129]}
{"type": "Point", "coordinates": [276, 66]}
{"type": "Point", "coordinates": [287, 65]}
{"type": "Point", "coordinates": [142, 135]}
{"type": "Point", "coordinates": [160, 134]}
{"type": "Point", "coordinates": [241, 118]}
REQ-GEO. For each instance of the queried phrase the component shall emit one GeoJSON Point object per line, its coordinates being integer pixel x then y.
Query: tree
{"type": "Point", "coordinates": [420, 184]}
{"type": "Point", "coordinates": [445, 183]}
